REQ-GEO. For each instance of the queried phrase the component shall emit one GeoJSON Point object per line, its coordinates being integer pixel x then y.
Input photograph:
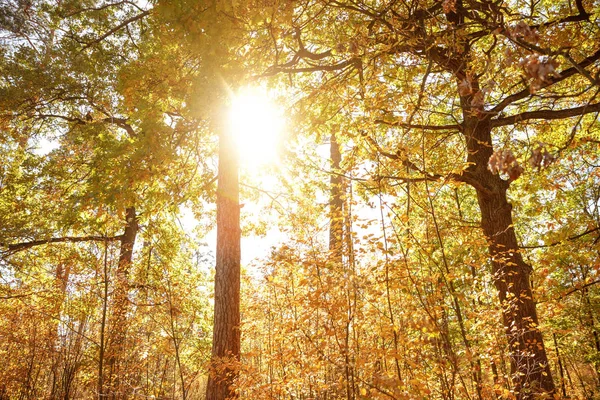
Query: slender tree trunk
{"type": "Point", "coordinates": [103, 324]}
{"type": "Point", "coordinates": [336, 202]}
{"type": "Point", "coordinates": [560, 367]}
{"type": "Point", "coordinates": [120, 306]}
{"type": "Point", "coordinates": [61, 282]}
{"type": "Point", "coordinates": [338, 233]}
{"type": "Point", "coordinates": [592, 325]}
{"type": "Point", "coordinates": [226, 331]}
{"type": "Point", "coordinates": [529, 362]}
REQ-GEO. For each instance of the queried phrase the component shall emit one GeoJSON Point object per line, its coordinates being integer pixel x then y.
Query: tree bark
{"type": "Point", "coordinates": [529, 362]}
{"type": "Point", "coordinates": [336, 202]}
{"type": "Point", "coordinates": [226, 331]}
{"type": "Point", "coordinates": [62, 274]}
{"type": "Point", "coordinates": [119, 307]}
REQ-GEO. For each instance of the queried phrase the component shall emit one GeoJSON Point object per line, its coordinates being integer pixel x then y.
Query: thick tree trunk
{"type": "Point", "coordinates": [226, 331]}
{"type": "Point", "coordinates": [529, 362]}
{"type": "Point", "coordinates": [120, 307]}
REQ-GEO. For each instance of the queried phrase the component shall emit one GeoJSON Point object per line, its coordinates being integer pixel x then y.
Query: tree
{"type": "Point", "coordinates": [121, 159]}
{"type": "Point", "coordinates": [386, 51]}
{"type": "Point", "coordinates": [210, 34]}
{"type": "Point", "coordinates": [226, 329]}
{"type": "Point", "coordinates": [458, 187]}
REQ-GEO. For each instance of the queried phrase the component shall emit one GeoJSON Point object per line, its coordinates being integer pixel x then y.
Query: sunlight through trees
{"type": "Point", "coordinates": [420, 180]}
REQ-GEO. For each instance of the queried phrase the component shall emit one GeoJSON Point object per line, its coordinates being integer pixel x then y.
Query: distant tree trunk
{"type": "Point", "coordinates": [120, 305]}
{"type": "Point", "coordinates": [529, 362]}
{"type": "Point", "coordinates": [336, 202]}
{"type": "Point", "coordinates": [226, 331]}
{"type": "Point", "coordinates": [102, 349]}
{"type": "Point", "coordinates": [340, 244]}
{"type": "Point", "coordinates": [62, 274]}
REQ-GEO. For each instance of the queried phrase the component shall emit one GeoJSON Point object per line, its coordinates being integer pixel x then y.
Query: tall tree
{"type": "Point", "coordinates": [381, 48]}
{"type": "Point", "coordinates": [118, 324]}
{"type": "Point", "coordinates": [213, 36]}
{"type": "Point", "coordinates": [85, 92]}
{"type": "Point", "coordinates": [226, 329]}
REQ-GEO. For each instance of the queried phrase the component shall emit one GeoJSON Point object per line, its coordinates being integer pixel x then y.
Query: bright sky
{"type": "Point", "coordinates": [258, 124]}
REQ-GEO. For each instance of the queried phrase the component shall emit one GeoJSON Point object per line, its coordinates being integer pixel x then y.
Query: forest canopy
{"type": "Point", "coordinates": [310, 199]}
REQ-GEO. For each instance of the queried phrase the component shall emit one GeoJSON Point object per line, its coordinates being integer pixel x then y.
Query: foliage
{"type": "Point", "coordinates": [458, 123]}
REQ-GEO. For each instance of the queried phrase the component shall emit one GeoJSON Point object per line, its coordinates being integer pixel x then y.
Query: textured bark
{"type": "Point", "coordinates": [120, 306]}
{"type": "Point", "coordinates": [529, 362]}
{"type": "Point", "coordinates": [226, 333]}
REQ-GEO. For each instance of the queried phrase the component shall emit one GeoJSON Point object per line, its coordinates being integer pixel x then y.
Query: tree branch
{"type": "Point", "coordinates": [579, 288]}
{"type": "Point", "coordinates": [120, 122]}
{"type": "Point", "coordinates": [417, 126]}
{"type": "Point", "coordinates": [581, 16]}
{"type": "Point", "coordinates": [274, 70]}
{"type": "Point", "coordinates": [116, 28]}
{"type": "Point", "coordinates": [563, 75]}
{"type": "Point", "coordinates": [464, 176]}
{"type": "Point", "coordinates": [16, 247]}
{"type": "Point", "coordinates": [569, 239]}
{"type": "Point", "coordinates": [546, 114]}
{"type": "Point", "coordinates": [18, 296]}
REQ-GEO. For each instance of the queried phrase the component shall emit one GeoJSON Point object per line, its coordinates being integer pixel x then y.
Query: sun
{"type": "Point", "coordinates": [257, 124]}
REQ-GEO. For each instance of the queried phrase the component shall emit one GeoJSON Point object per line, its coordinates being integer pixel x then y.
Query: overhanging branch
{"type": "Point", "coordinates": [116, 29]}
{"type": "Point", "coordinates": [561, 76]}
{"type": "Point", "coordinates": [16, 247]}
{"type": "Point", "coordinates": [546, 114]}
{"type": "Point", "coordinates": [119, 122]}
{"type": "Point", "coordinates": [569, 239]}
{"type": "Point", "coordinates": [454, 127]}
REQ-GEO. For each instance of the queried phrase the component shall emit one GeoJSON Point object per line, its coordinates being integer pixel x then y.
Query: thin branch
{"type": "Point", "coordinates": [116, 29]}
{"type": "Point", "coordinates": [569, 239]}
{"type": "Point", "coordinates": [537, 49]}
{"type": "Point", "coordinates": [579, 288]}
{"type": "Point", "coordinates": [546, 114]}
{"type": "Point", "coordinates": [120, 122]}
{"type": "Point", "coordinates": [454, 127]}
{"type": "Point", "coordinates": [464, 176]}
{"type": "Point", "coordinates": [18, 296]}
{"type": "Point", "coordinates": [63, 117]}
{"type": "Point", "coordinates": [16, 247]}
{"type": "Point", "coordinates": [334, 67]}
{"type": "Point", "coordinates": [562, 76]}
{"type": "Point", "coordinates": [88, 9]}
{"type": "Point", "coordinates": [582, 16]}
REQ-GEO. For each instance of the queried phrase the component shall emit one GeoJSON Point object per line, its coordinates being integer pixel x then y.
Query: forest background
{"type": "Point", "coordinates": [445, 245]}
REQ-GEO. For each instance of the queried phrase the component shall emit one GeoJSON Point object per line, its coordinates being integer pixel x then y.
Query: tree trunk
{"type": "Point", "coordinates": [226, 331]}
{"type": "Point", "coordinates": [336, 202]}
{"type": "Point", "coordinates": [62, 274]}
{"type": "Point", "coordinates": [119, 307]}
{"type": "Point", "coordinates": [529, 362]}
{"type": "Point", "coordinates": [102, 349]}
